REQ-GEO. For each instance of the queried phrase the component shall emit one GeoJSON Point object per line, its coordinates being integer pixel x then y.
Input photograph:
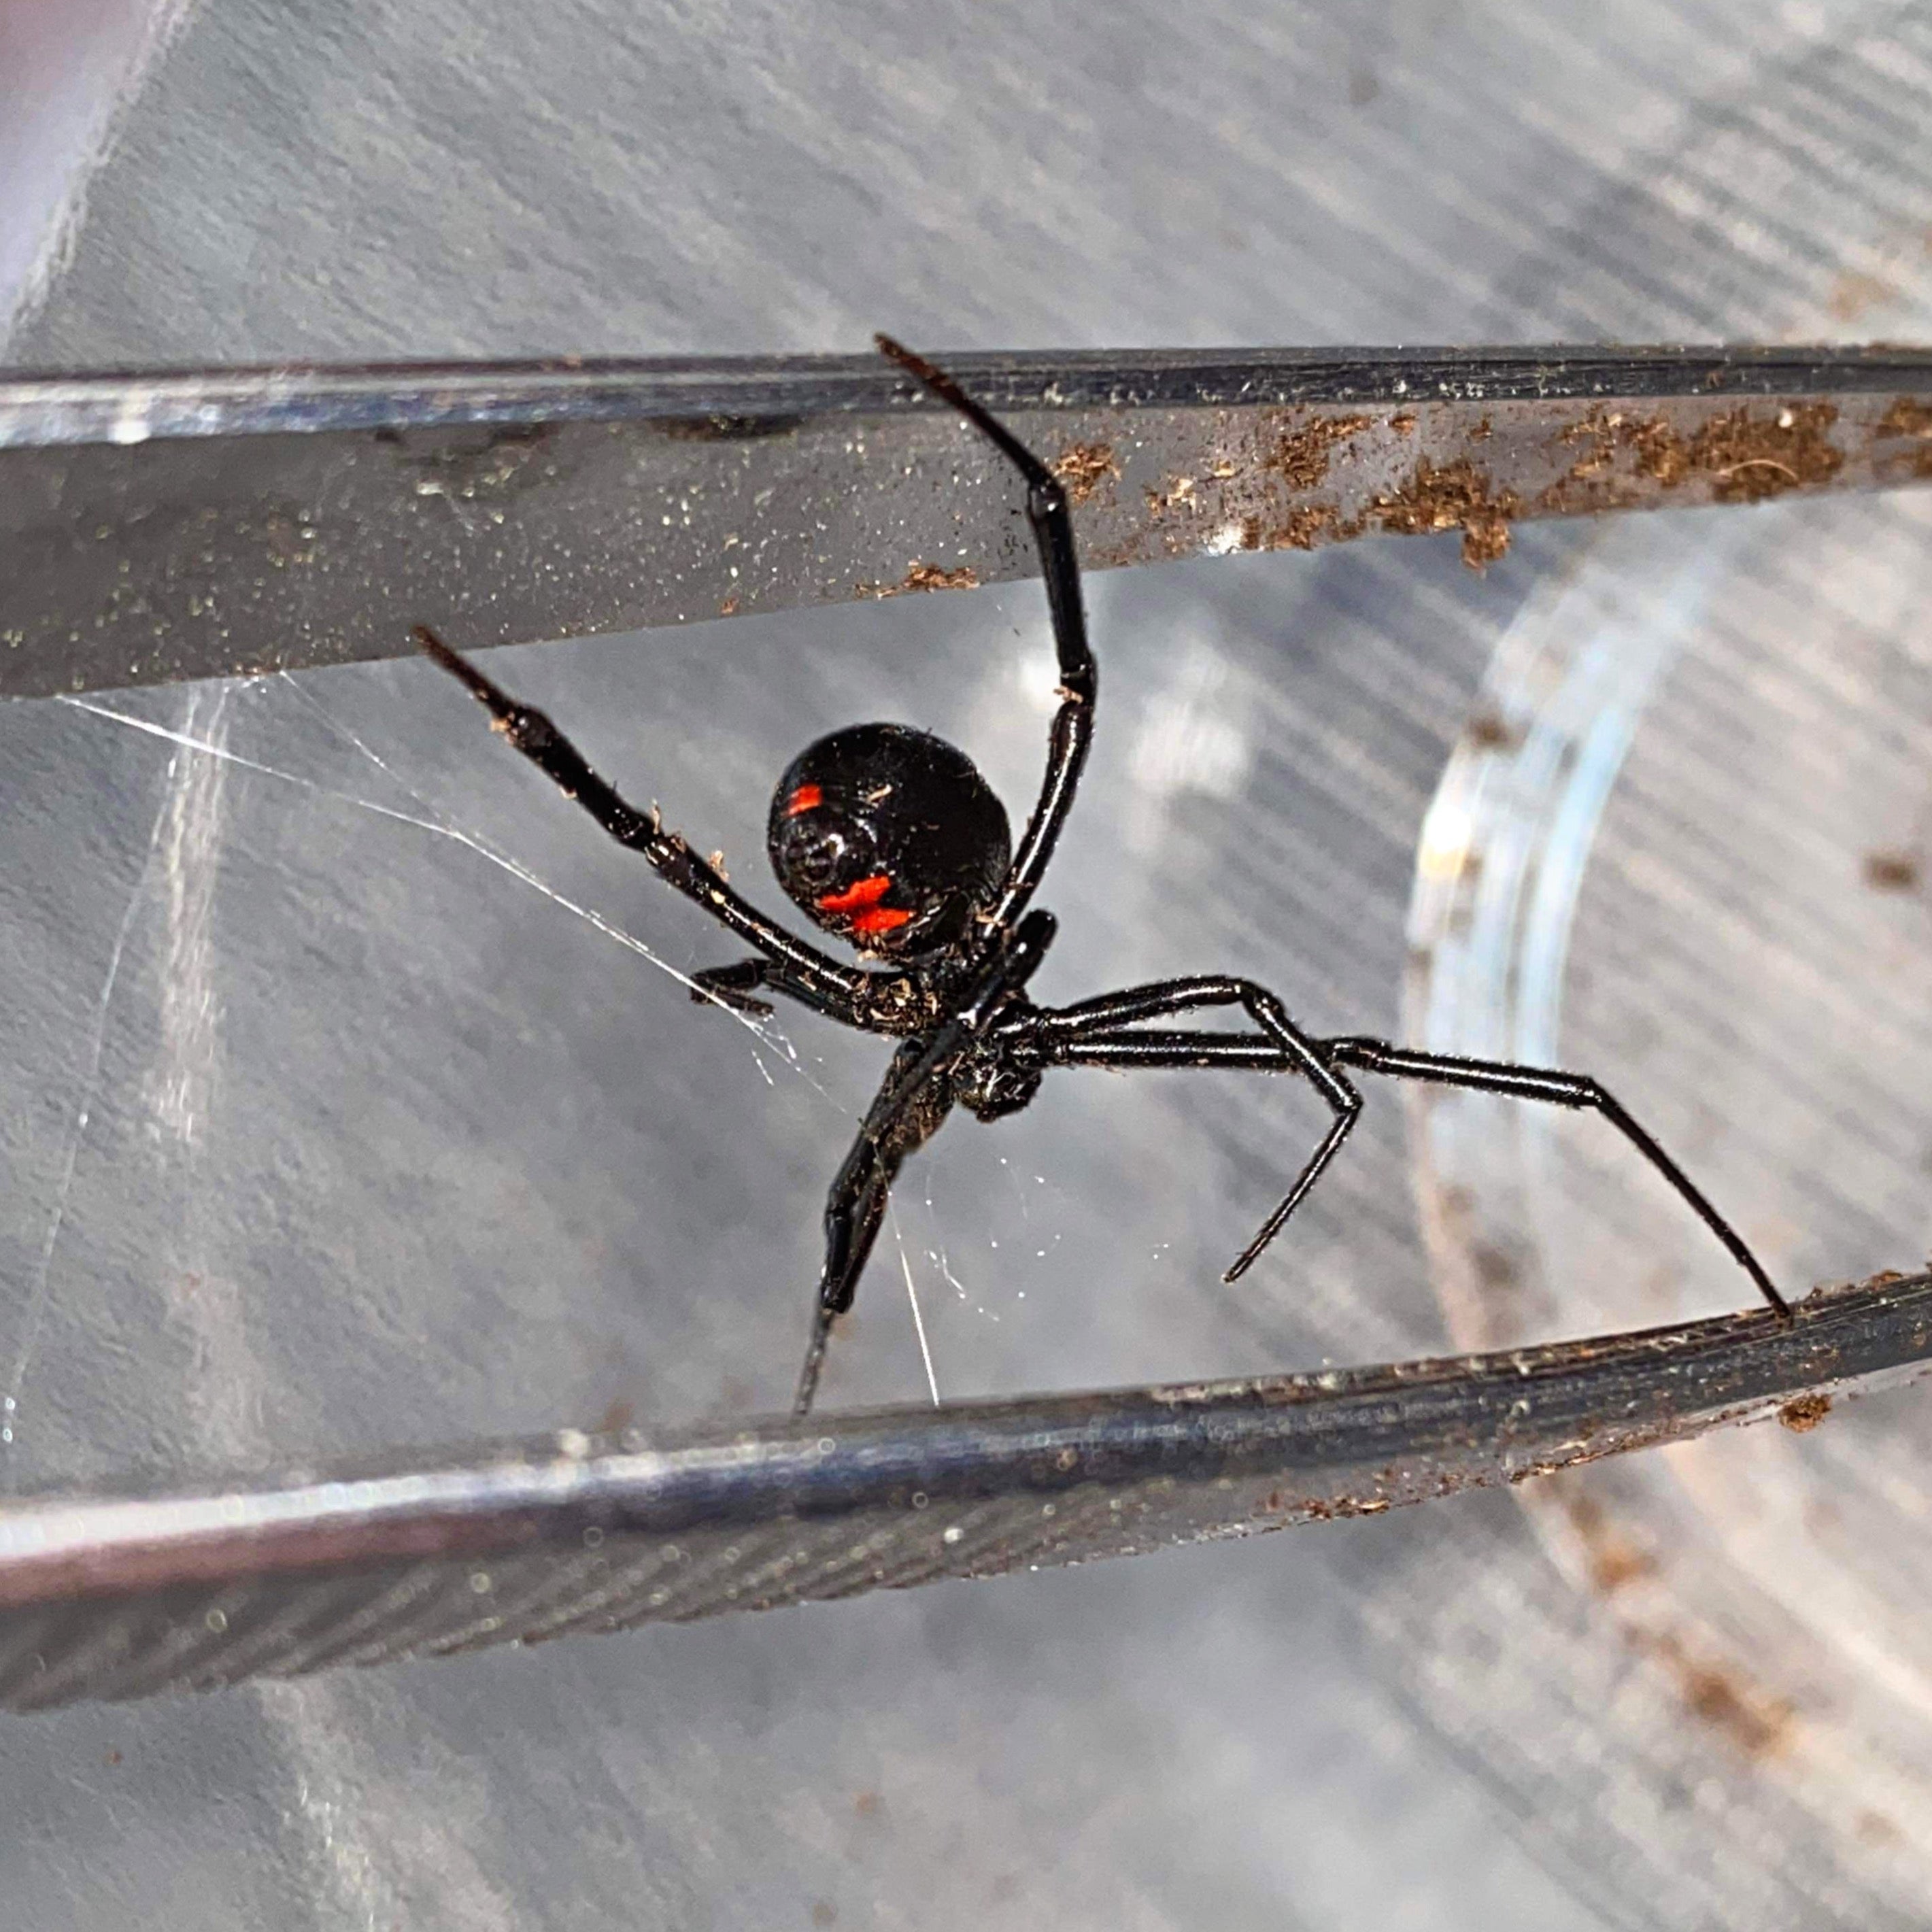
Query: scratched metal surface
{"type": "Point", "coordinates": [118, 1597]}
{"type": "Point", "coordinates": [339, 1048]}
{"type": "Point", "coordinates": [163, 528]}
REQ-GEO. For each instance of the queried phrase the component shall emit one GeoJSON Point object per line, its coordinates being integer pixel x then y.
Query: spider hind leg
{"type": "Point", "coordinates": [910, 1106]}
{"type": "Point", "coordinates": [1577, 1090]}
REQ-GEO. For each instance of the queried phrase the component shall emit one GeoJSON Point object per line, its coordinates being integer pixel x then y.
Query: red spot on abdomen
{"type": "Point", "coordinates": [803, 799]}
{"type": "Point", "coordinates": [856, 898]}
{"type": "Point", "coordinates": [880, 919]}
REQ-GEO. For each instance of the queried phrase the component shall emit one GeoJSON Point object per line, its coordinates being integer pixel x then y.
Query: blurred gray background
{"type": "Point", "coordinates": [322, 1132]}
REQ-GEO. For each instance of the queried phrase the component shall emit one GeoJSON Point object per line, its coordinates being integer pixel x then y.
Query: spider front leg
{"type": "Point", "coordinates": [1072, 731]}
{"type": "Point", "coordinates": [805, 971]}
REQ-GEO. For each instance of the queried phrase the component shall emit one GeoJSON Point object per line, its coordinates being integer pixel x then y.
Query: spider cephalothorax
{"type": "Point", "coordinates": [889, 838]}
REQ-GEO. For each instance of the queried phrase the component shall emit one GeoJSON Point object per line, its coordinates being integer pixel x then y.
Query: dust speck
{"type": "Point", "coordinates": [1892, 872]}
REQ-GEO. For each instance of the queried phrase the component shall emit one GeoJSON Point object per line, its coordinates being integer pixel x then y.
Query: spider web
{"type": "Point", "coordinates": [773, 1051]}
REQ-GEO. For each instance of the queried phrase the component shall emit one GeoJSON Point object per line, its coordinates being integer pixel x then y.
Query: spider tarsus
{"type": "Point", "coordinates": [1039, 478]}
{"type": "Point", "coordinates": [526, 730]}
{"type": "Point", "coordinates": [916, 364]}
{"type": "Point", "coordinates": [814, 1360]}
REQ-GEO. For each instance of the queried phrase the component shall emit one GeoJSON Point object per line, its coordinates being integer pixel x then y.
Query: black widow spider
{"type": "Point", "coordinates": [889, 838]}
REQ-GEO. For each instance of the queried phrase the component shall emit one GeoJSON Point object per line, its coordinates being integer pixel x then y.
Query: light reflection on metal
{"type": "Point", "coordinates": [110, 1597]}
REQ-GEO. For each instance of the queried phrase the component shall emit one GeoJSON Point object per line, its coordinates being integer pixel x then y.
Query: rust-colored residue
{"type": "Point", "coordinates": [1893, 871]}
{"type": "Point", "coordinates": [1907, 416]}
{"type": "Point", "coordinates": [1746, 455]}
{"type": "Point", "coordinates": [1803, 1413]}
{"type": "Point", "coordinates": [1301, 529]}
{"type": "Point", "coordinates": [925, 577]}
{"type": "Point", "coordinates": [729, 608]}
{"type": "Point", "coordinates": [1854, 293]}
{"type": "Point", "coordinates": [1614, 1561]}
{"type": "Point", "coordinates": [1085, 467]}
{"type": "Point", "coordinates": [1751, 458]}
{"type": "Point", "coordinates": [1451, 497]}
{"type": "Point", "coordinates": [1756, 1724]}
{"type": "Point", "coordinates": [1490, 731]}
{"type": "Point", "coordinates": [1307, 447]}
{"type": "Point", "coordinates": [1752, 1720]}
{"type": "Point", "coordinates": [1402, 421]}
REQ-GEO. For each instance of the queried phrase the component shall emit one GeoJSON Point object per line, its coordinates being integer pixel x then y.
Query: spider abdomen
{"type": "Point", "coordinates": [889, 837]}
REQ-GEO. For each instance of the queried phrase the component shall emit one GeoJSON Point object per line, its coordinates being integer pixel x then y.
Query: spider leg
{"type": "Point", "coordinates": [911, 1104]}
{"type": "Point", "coordinates": [734, 985]}
{"type": "Point", "coordinates": [1243, 1051]}
{"type": "Point", "coordinates": [808, 974]}
{"type": "Point", "coordinates": [1562, 1090]}
{"type": "Point", "coordinates": [1072, 730]}
{"type": "Point", "coordinates": [1085, 1035]}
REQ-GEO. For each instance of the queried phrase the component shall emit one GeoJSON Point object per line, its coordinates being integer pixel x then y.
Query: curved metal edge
{"type": "Point", "coordinates": [741, 395]}
{"type": "Point", "coordinates": [116, 1597]}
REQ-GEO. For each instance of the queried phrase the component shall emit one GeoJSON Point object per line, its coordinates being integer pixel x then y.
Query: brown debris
{"type": "Point", "coordinates": [1854, 293]}
{"type": "Point", "coordinates": [729, 608]}
{"type": "Point", "coordinates": [1803, 1413]}
{"type": "Point", "coordinates": [1907, 416]}
{"type": "Point", "coordinates": [1614, 1560]}
{"type": "Point", "coordinates": [1746, 458]}
{"type": "Point", "coordinates": [1301, 529]}
{"type": "Point", "coordinates": [1449, 496]}
{"type": "Point", "coordinates": [1660, 449]}
{"type": "Point", "coordinates": [1085, 467]}
{"type": "Point", "coordinates": [1893, 871]}
{"type": "Point", "coordinates": [1750, 459]}
{"type": "Point", "coordinates": [1754, 458]}
{"type": "Point", "coordinates": [1757, 1725]}
{"type": "Point", "coordinates": [1302, 457]}
{"type": "Point", "coordinates": [924, 577]}
{"type": "Point", "coordinates": [1489, 731]}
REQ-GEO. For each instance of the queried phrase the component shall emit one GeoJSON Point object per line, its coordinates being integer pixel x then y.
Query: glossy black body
{"type": "Point", "coordinates": [886, 802]}
{"type": "Point", "coordinates": [888, 836]}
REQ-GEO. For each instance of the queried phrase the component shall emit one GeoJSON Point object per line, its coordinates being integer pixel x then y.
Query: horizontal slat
{"type": "Point", "coordinates": [112, 1596]}
{"type": "Point", "coordinates": [164, 526]}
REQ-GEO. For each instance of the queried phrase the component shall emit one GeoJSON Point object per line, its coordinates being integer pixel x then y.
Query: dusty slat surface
{"type": "Point", "coordinates": [160, 527]}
